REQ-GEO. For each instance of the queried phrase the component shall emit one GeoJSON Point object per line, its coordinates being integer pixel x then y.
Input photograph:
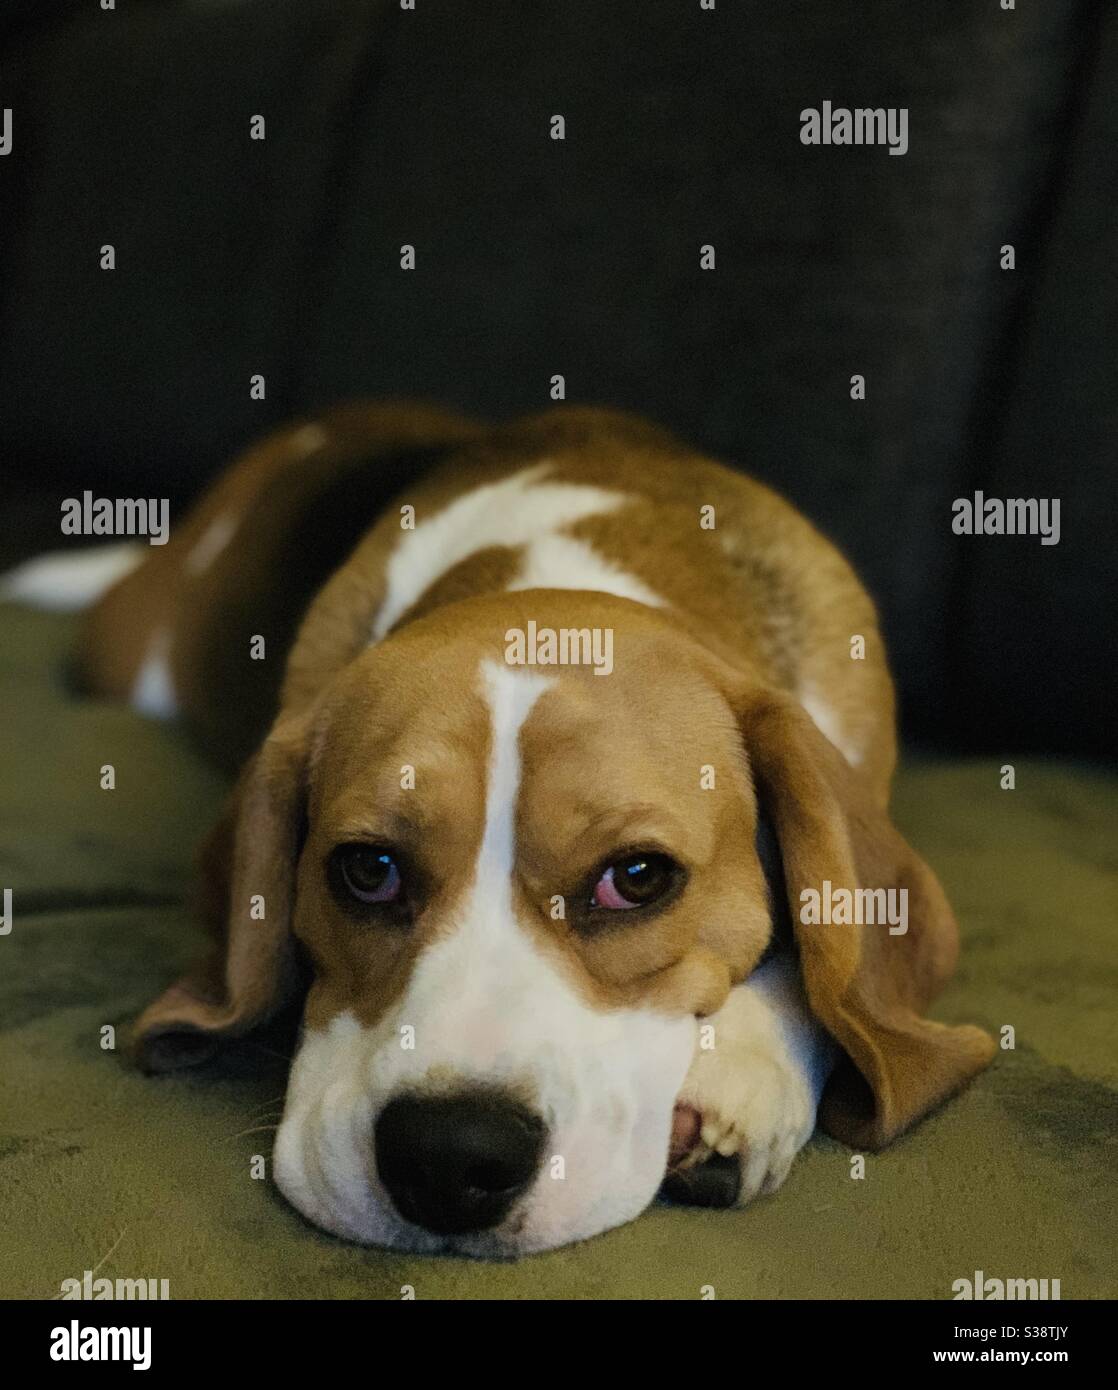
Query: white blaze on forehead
{"type": "Point", "coordinates": [519, 511]}
{"type": "Point", "coordinates": [510, 696]}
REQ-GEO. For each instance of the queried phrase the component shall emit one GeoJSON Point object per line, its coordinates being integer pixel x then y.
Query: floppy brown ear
{"type": "Point", "coordinates": [248, 869]}
{"type": "Point", "coordinates": [868, 987]}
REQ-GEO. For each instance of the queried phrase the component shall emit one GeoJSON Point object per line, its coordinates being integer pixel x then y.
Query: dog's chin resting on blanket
{"type": "Point", "coordinates": [544, 760]}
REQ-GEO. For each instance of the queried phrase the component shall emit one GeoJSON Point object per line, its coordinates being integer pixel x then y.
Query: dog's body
{"type": "Point", "coordinates": [537, 919]}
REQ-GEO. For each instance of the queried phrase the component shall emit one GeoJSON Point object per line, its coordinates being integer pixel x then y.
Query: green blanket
{"type": "Point", "coordinates": [106, 1170]}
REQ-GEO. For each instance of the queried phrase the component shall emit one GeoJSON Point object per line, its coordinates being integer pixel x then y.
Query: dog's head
{"type": "Point", "coordinates": [518, 887]}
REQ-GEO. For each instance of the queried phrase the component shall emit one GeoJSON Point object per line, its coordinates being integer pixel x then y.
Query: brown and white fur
{"type": "Point", "coordinates": [613, 1037]}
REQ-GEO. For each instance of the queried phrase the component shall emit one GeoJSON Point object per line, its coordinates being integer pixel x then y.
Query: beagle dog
{"type": "Point", "coordinates": [546, 763]}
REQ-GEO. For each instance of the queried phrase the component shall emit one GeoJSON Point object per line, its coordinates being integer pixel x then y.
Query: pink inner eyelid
{"type": "Point", "coordinates": [608, 897]}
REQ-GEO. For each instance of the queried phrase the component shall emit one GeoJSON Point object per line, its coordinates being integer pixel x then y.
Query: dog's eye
{"type": "Point", "coordinates": [634, 881]}
{"type": "Point", "coordinates": [369, 874]}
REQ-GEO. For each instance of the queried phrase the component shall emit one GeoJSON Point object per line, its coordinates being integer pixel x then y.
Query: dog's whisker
{"type": "Point", "coordinates": [265, 1106]}
{"type": "Point", "coordinates": [258, 1129]}
{"type": "Point", "coordinates": [103, 1258]}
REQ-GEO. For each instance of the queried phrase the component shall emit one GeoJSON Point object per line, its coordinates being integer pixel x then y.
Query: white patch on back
{"type": "Point", "coordinates": [212, 542]}
{"type": "Point", "coordinates": [521, 510]}
{"type": "Point", "coordinates": [65, 581]}
{"type": "Point", "coordinates": [561, 562]}
{"type": "Point", "coordinates": [153, 691]}
{"type": "Point", "coordinates": [827, 722]}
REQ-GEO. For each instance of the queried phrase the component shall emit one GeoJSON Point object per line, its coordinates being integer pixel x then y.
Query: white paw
{"type": "Point", "coordinates": [753, 1098]}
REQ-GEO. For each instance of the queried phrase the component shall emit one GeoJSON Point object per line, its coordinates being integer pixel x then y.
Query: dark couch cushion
{"type": "Point", "coordinates": [581, 257]}
{"type": "Point", "coordinates": [1038, 625]}
{"type": "Point", "coordinates": [133, 129]}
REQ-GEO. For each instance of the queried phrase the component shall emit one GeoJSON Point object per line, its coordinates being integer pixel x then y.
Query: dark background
{"type": "Point", "coordinates": [581, 257]}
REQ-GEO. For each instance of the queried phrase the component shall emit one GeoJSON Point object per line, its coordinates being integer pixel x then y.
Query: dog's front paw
{"type": "Point", "coordinates": [745, 1110]}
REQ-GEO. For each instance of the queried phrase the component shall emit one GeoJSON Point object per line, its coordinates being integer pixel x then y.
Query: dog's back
{"type": "Point", "coordinates": [305, 527]}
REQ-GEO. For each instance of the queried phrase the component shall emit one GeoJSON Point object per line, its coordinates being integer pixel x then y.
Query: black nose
{"type": "Point", "coordinates": [457, 1163]}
